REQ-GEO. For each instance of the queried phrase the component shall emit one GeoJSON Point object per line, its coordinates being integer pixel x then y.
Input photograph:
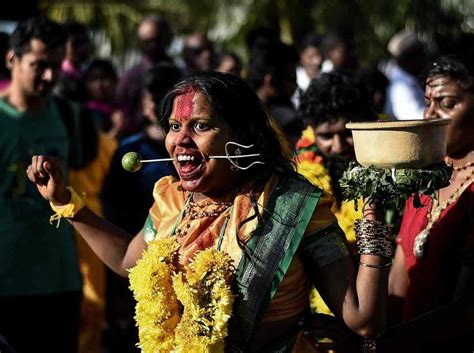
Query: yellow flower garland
{"type": "Point", "coordinates": [207, 299]}
{"type": "Point", "coordinates": [202, 293]}
{"type": "Point", "coordinates": [158, 309]}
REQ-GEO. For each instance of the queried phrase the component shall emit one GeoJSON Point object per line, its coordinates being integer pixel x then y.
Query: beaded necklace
{"type": "Point", "coordinates": [465, 166]}
{"type": "Point", "coordinates": [194, 211]}
{"type": "Point", "coordinates": [419, 246]}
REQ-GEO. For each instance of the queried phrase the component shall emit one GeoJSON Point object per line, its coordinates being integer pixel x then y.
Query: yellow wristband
{"type": "Point", "coordinates": [69, 210]}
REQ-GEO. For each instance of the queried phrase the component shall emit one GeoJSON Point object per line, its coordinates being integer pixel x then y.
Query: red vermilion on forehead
{"type": "Point", "coordinates": [184, 105]}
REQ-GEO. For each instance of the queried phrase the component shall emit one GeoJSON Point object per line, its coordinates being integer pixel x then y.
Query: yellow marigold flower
{"type": "Point", "coordinates": [186, 311]}
{"type": "Point", "coordinates": [316, 173]}
{"type": "Point", "coordinates": [207, 301]}
{"type": "Point", "coordinates": [157, 309]}
{"type": "Point", "coordinates": [308, 134]}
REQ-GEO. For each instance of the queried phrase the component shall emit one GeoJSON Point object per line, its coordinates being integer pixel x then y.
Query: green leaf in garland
{"type": "Point", "coordinates": [392, 187]}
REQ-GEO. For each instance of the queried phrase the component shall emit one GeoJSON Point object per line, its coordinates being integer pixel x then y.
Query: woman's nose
{"type": "Point", "coordinates": [430, 112]}
{"type": "Point", "coordinates": [183, 138]}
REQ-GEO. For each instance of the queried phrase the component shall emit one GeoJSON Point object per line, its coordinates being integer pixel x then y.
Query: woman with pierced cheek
{"type": "Point", "coordinates": [432, 277]}
{"type": "Point", "coordinates": [194, 135]}
{"type": "Point", "coordinates": [227, 253]}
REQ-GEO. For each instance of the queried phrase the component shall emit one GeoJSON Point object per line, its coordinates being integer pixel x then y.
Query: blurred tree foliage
{"type": "Point", "coordinates": [227, 22]}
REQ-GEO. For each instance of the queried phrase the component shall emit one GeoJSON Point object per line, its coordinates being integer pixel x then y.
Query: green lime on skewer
{"type": "Point", "coordinates": [131, 162]}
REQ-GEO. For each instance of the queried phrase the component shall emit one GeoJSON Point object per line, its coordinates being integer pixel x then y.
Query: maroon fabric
{"type": "Point", "coordinates": [129, 94]}
{"type": "Point", "coordinates": [104, 108]}
{"type": "Point", "coordinates": [450, 246]}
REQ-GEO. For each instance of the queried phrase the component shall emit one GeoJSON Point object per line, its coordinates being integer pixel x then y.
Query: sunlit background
{"type": "Point", "coordinates": [226, 22]}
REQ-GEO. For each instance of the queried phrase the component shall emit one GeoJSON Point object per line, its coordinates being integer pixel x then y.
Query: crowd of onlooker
{"type": "Point", "coordinates": [60, 100]}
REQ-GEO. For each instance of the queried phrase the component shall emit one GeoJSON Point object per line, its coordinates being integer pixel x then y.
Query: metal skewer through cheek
{"type": "Point", "coordinates": [226, 156]}
{"type": "Point", "coordinates": [230, 158]}
{"type": "Point", "coordinates": [156, 160]}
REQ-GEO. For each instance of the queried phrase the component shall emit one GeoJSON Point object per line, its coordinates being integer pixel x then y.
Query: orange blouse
{"type": "Point", "coordinates": [291, 297]}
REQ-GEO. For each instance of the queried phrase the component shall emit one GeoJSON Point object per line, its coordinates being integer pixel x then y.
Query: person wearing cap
{"type": "Point", "coordinates": [405, 98]}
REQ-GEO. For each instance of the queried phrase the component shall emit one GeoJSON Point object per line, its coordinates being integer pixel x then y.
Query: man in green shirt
{"type": "Point", "coordinates": [39, 276]}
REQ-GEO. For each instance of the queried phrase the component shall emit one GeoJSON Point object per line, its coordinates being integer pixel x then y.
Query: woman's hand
{"type": "Point", "coordinates": [326, 333]}
{"type": "Point", "coordinates": [371, 210]}
{"type": "Point", "coordinates": [46, 173]}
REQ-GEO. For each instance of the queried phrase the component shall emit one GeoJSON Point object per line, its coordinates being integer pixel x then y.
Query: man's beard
{"type": "Point", "coordinates": [336, 166]}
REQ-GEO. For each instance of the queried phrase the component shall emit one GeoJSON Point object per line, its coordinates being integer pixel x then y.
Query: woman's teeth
{"type": "Point", "coordinates": [184, 158]}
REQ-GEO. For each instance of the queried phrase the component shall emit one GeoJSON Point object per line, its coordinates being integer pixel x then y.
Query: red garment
{"type": "Point", "coordinates": [450, 246]}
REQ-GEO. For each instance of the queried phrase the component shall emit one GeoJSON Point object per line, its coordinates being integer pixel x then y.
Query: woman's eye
{"type": "Point", "coordinates": [201, 127]}
{"type": "Point", "coordinates": [174, 127]}
{"type": "Point", "coordinates": [447, 103]}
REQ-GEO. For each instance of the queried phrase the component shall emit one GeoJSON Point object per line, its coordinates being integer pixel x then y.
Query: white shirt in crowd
{"type": "Point", "coordinates": [405, 98]}
{"type": "Point", "coordinates": [302, 78]}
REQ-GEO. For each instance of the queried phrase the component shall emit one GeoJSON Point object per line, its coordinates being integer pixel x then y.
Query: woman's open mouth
{"type": "Point", "coordinates": [190, 165]}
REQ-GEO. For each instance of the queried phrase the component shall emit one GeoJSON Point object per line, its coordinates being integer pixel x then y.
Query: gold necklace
{"type": "Point", "coordinates": [465, 166]}
{"type": "Point", "coordinates": [195, 210]}
{"type": "Point", "coordinates": [462, 167]}
{"type": "Point", "coordinates": [419, 246]}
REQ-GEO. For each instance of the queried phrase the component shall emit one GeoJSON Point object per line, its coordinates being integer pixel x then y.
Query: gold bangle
{"type": "Point", "coordinates": [68, 210]}
{"type": "Point", "coordinates": [379, 267]}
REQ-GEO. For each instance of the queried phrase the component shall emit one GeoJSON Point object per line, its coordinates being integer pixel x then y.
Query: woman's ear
{"type": "Point", "coordinates": [9, 57]}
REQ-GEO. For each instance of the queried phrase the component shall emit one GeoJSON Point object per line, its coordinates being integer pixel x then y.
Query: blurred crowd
{"type": "Point", "coordinates": [57, 291]}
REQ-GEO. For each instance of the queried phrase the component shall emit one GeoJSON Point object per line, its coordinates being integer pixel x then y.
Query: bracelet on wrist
{"type": "Point", "coordinates": [373, 238]}
{"type": "Point", "coordinates": [68, 210]}
{"type": "Point", "coordinates": [379, 267]}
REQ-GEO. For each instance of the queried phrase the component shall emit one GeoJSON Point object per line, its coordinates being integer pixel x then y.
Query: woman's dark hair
{"type": "Point", "coordinates": [234, 101]}
{"type": "Point", "coordinates": [50, 33]}
{"type": "Point", "coordinates": [334, 94]}
{"type": "Point", "coordinates": [458, 68]}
